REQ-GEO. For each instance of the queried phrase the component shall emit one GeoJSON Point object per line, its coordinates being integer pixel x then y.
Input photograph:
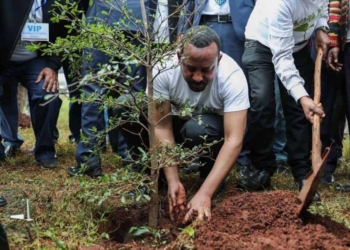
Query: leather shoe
{"type": "Point", "coordinates": [327, 178]}
{"type": "Point", "coordinates": [343, 188]}
{"type": "Point", "coordinates": [3, 201]}
{"type": "Point", "coordinates": [48, 163]}
{"type": "Point", "coordinates": [245, 171]}
{"type": "Point", "coordinates": [282, 167]}
{"type": "Point", "coordinates": [89, 171]}
{"type": "Point", "coordinates": [259, 181]}
{"type": "Point", "coordinates": [11, 151]}
{"type": "Point", "coordinates": [301, 183]}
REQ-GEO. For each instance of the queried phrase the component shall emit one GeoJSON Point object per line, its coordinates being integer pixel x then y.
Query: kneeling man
{"type": "Point", "coordinates": [214, 86]}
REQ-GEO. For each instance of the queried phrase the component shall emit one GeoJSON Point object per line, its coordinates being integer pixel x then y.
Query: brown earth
{"type": "Point", "coordinates": [247, 221]}
{"type": "Point", "coordinates": [268, 221]}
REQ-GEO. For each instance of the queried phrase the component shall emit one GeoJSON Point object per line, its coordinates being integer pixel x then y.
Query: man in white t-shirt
{"type": "Point", "coordinates": [214, 86]}
{"type": "Point", "coordinates": [276, 37]}
{"type": "Point", "coordinates": [208, 81]}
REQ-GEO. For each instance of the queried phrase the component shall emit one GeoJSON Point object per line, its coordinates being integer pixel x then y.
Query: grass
{"type": "Point", "coordinates": [70, 213]}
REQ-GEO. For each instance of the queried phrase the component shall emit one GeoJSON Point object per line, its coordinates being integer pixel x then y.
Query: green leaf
{"type": "Point", "coordinates": [190, 231]}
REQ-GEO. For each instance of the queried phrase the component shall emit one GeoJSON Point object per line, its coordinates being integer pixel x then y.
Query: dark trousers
{"type": "Point", "coordinates": [188, 132]}
{"type": "Point", "coordinates": [74, 113]}
{"type": "Point", "coordinates": [92, 114]}
{"type": "Point", "coordinates": [258, 61]}
{"type": "Point", "coordinates": [44, 118]}
{"type": "Point", "coordinates": [4, 245]}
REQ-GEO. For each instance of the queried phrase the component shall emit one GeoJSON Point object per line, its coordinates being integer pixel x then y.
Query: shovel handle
{"type": "Point", "coordinates": [317, 76]}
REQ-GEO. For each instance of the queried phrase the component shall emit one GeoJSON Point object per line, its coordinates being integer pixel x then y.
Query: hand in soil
{"type": "Point", "coordinates": [176, 199]}
{"type": "Point", "coordinates": [199, 208]}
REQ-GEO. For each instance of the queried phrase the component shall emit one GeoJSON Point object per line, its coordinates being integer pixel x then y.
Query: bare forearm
{"type": "Point", "coordinates": [223, 164]}
{"type": "Point", "coordinates": [165, 137]}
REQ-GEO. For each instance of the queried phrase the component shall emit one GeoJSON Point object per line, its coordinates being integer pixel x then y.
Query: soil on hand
{"type": "Point", "coordinates": [268, 221]}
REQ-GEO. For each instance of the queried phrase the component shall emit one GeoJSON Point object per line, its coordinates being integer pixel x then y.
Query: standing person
{"type": "Point", "coordinates": [339, 54]}
{"type": "Point", "coordinates": [92, 119]}
{"type": "Point", "coordinates": [228, 18]}
{"type": "Point", "coordinates": [276, 36]}
{"type": "Point", "coordinates": [35, 71]}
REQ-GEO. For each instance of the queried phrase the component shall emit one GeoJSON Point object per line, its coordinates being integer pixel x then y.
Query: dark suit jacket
{"type": "Point", "coordinates": [13, 16]}
{"type": "Point", "coordinates": [240, 12]}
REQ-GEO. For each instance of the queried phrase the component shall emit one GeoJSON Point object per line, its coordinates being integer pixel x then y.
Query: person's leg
{"type": "Point", "coordinates": [346, 61]}
{"type": "Point", "coordinates": [298, 128]}
{"type": "Point", "coordinates": [92, 123]}
{"type": "Point", "coordinates": [258, 61]}
{"type": "Point", "coordinates": [212, 127]}
{"type": "Point", "coordinates": [44, 117]}
{"type": "Point", "coordinates": [280, 139]}
{"type": "Point", "coordinates": [261, 74]}
{"type": "Point", "coordinates": [4, 244]}
{"type": "Point", "coordinates": [9, 112]}
{"type": "Point", "coordinates": [74, 113]}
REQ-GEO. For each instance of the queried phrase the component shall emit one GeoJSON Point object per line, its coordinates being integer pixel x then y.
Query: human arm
{"type": "Point", "coordinates": [334, 28]}
{"type": "Point", "coordinates": [165, 137]}
{"type": "Point", "coordinates": [234, 127]}
{"type": "Point", "coordinates": [281, 43]}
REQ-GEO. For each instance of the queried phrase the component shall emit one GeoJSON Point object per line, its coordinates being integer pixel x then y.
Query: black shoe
{"type": "Point", "coordinates": [327, 178]}
{"type": "Point", "coordinates": [282, 167]}
{"type": "Point", "coordinates": [48, 163]}
{"type": "Point", "coordinates": [300, 186]}
{"type": "Point", "coordinates": [343, 188]}
{"type": "Point", "coordinates": [245, 171]}
{"type": "Point", "coordinates": [261, 180]}
{"type": "Point", "coordinates": [141, 190]}
{"type": "Point", "coordinates": [92, 172]}
{"type": "Point", "coordinates": [11, 151]}
{"type": "Point", "coordinates": [3, 201]}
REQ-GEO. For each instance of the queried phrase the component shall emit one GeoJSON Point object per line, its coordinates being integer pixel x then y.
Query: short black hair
{"type": "Point", "coordinates": [200, 37]}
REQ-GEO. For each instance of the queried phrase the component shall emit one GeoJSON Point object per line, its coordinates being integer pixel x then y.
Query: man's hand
{"type": "Point", "coordinates": [333, 59]}
{"type": "Point", "coordinates": [51, 80]}
{"type": "Point", "coordinates": [322, 41]}
{"type": "Point", "coordinates": [310, 108]}
{"type": "Point", "coordinates": [199, 206]}
{"type": "Point", "coordinates": [176, 198]}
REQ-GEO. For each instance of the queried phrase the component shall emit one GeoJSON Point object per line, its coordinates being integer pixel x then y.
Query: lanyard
{"type": "Point", "coordinates": [37, 8]}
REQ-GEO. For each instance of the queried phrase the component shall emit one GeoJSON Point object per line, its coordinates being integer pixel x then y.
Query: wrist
{"type": "Point", "coordinates": [323, 29]}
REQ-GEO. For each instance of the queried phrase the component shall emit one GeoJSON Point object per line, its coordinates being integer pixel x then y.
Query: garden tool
{"type": "Point", "coordinates": [308, 191]}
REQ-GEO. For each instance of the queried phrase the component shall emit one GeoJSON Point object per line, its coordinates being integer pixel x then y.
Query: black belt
{"type": "Point", "coordinates": [216, 18]}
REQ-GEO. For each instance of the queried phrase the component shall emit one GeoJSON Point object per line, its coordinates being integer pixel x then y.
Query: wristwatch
{"type": "Point", "coordinates": [325, 29]}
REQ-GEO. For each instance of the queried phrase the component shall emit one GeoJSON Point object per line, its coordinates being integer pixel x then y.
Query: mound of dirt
{"type": "Point", "coordinates": [268, 221]}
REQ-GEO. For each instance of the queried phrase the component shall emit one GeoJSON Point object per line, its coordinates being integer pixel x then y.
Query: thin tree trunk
{"type": "Point", "coordinates": [154, 202]}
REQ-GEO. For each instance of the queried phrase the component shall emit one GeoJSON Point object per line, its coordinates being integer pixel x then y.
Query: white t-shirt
{"type": "Point", "coordinates": [228, 92]}
{"type": "Point", "coordinates": [21, 53]}
{"type": "Point", "coordinates": [212, 8]}
{"type": "Point", "coordinates": [285, 26]}
{"type": "Point", "coordinates": [286, 18]}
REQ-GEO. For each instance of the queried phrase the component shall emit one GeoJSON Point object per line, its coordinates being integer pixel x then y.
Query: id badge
{"type": "Point", "coordinates": [35, 32]}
